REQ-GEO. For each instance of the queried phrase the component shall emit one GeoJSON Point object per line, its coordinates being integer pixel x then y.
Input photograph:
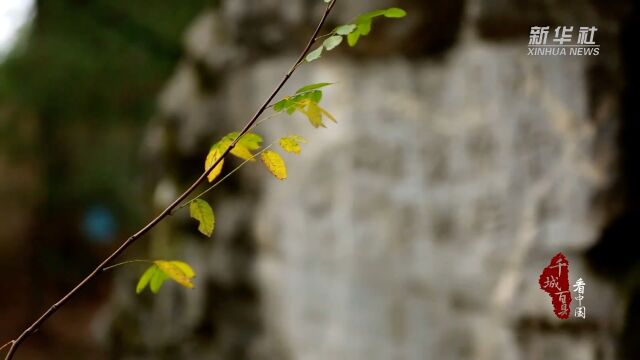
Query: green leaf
{"type": "Point", "coordinates": [312, 87]}
{"type": "Point", "coordinates": [314, 55]}
{"type": "Point", "coordinates": [249, 140]}
{"type": "Point", "coordinates": [157, 280]}
{"type": "Point", "coordinates": [145, 278]}
{"type": "Point", "coordinates": [395, 13]}
{"type": "Point", "coordinates": [364, 21]}
{"type": "Point", "coordinates": [315, 96]}
{"type": "Point", "coordinates": [352, 38]}
{"type": "Point", "coordinates": [201, 211]}
{"type": "Point", "coordinates": [371, 14]}
{"type": "Point", "coordinates": [331, 42]}
{"type": "Point", "coordinates": [280, 105]}
{"type": "Point", "coordinates": [327, 1]}
{"type": "Point", "coordinates": [243, 147]}
{"type": "Point", "coordinates": [364, 27]}
{"type": "Point", "coordinates": [345, 29]}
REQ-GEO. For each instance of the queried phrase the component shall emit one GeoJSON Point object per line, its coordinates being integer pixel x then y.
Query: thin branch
{"type": "Point", "coordinates": [127, 262]}
{"type": "Point", "coordinates": [7, 344]}
{"type": "Point", "coordinates": [100, 268]}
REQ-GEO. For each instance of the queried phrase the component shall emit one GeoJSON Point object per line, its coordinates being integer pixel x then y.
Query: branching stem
{"type": "Point", "coordinates": [15, 344]}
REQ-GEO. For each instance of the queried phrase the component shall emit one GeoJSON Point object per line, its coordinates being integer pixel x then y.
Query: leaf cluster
{"type": "Point", "coordinates": [162, 270]}
{"type": "Point", "coordinates": [361, 26]}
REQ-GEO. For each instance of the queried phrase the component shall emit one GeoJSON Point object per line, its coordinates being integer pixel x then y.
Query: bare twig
{"type": "Point", "coordinates": [127, 262]}
{"type": "Point", "coordinates": [7, 344]}
{"type": "Point", "coordinates": [104, 264]}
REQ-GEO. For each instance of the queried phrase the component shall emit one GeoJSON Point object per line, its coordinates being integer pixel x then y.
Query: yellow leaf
{"type": "Point", "coordinates": [243, 147]}
{"type": "Point", "coordinates": [201, 211]}
{"type": "Point", "coordinates": [242, 152]}
{"type": "Point", "coordinates": [251, 141]}
{"type": "Point", "coordinates": [175, 273]}
{"type": "Point", "coordinates": [314, 113]}
{"type": "Point", "coordinates": [292, 143]}
{"type": "Point", "coordinates": [326, 113]}
{"type": "Point", "coordinates": [188, 271]}
{"type": "Point", "coordinates": [275, 164]}
{"type": "Point", "coordinates": [212, 157]}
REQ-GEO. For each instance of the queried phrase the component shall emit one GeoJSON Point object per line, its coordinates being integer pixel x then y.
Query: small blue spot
{"type": "Point", "coordinates": [98, 224]}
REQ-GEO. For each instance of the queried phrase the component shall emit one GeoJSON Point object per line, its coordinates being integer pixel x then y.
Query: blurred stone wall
{"type": "Point", "coordinates": [417, 226]}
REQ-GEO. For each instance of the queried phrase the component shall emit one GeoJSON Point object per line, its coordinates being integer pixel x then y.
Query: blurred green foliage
{"type": "Point", "coordinates": [87, 74]}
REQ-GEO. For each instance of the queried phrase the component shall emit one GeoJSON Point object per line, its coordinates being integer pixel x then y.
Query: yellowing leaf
{"type": "Point", "coordinates": [243, 147]}
{"type": "Point", "coordinates": [292, 143]}
{"type": "Point", "coordinates": [212, 157]}
{"type": "Point", "coordinates": [327, 114]}
{"type": "Point", "coordinates": [188, 271]}
{"type": "Point", "coordinates": [161, 270]}
{"type": "Point", "coordinates": [251, 141]}
{"type": "Point", "coordinates": [242, 152]}
{"type": "Point", "coordinates": [314, 114]}
{"type": "Point", "coordinates": [201, 211]}
{"type": "Point", "coordinates": [275, 164]}
{"type": "Point", "coordinates": [174, 272]}
{"type": "Point", "coordinates": [146, 278]}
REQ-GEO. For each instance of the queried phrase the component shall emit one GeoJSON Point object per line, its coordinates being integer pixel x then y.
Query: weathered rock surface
{"type": "Point", "coordinates": [415, 228]}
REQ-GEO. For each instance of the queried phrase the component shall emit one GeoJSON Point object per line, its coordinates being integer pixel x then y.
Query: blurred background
{"type": "Point", "coordinates": [415, 228]}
